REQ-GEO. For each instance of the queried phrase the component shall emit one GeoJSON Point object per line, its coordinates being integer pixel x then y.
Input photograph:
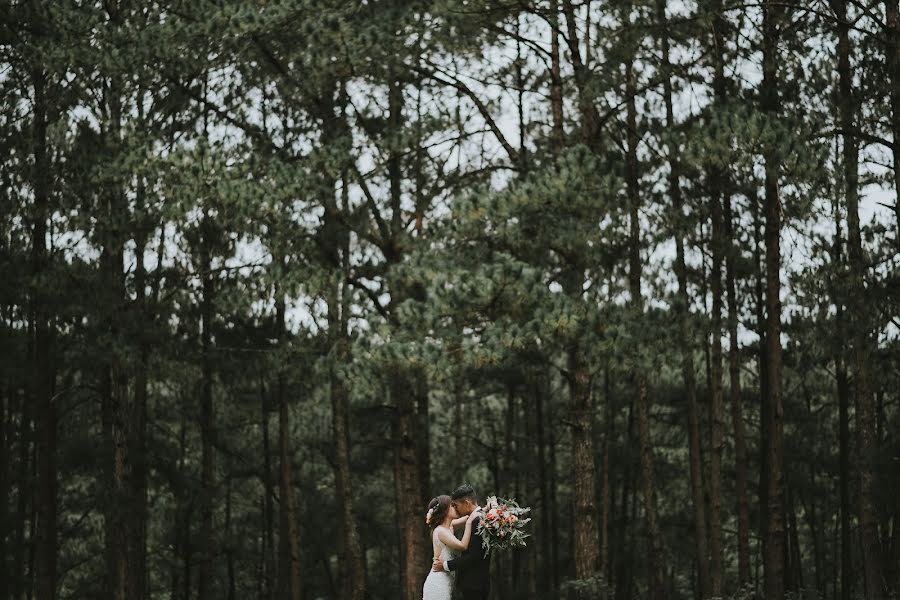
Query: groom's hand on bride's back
{"type": "Point", "coordinates": [437, 565]}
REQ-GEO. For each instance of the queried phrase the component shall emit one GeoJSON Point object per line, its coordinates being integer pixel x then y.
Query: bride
{"type": "Point", "coordinates": [442, 518]}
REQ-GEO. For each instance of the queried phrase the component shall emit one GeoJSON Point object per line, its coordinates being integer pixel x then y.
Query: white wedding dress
{"type": "Point", "coordinates": [439, 584]}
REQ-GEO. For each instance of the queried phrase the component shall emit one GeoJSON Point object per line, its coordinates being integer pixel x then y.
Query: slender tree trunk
{"type": "Point", "coordinates": [894, 571]}
{"type": "Point", "coordinates": [5, 462]}
{"type": "Point", "coordinates": [267, 561]}
{"type": "Point", "coordinates": [796, 564]}
{"type": "Point", "coordinates": [584, 487]}
{"type": "Point", "coordinates": [605, 484]}
{"type": "Point", "coordinates": [407, 489]}
{"type": "Point", "coordinates": [544, 485]}
{"type": "Point", "coordinates": [717, 419]}
{"type": "Point", "coordinates": [815, 534]}
{"type": "Point", "coordinates": [718, 195]}
{"type": "Point", "coordinates": [289, 575]}
{"type": "Point", "coordinates": [624, 558]}
{"type": "Point", "coordinates": [229, 548]}
{"type": "Point", "coordinates": [23, 493]}
{"type": "Point", "coordinates": [181, 581]}
{"type": "Point", "coordinates": [851, 178]}
{"type": "Point", "coordinates": [775, 550]}
{"type": "Point", "coordinates": [737, 411]}
{"type": "Point", "coordinates": [351, 559]}
{"type": "Point", "coordinates": [848, 573]}
{"type": "Point", "coordinates": [42, 374]}
{"type": "Point", "coordinates": [138, 422]}
{"type": "Point", "coordinates": [763, 369]}
{"type": "Point", "coordinates": [553, 505]}
{"type": "Point", "coordinates": [205, 580]}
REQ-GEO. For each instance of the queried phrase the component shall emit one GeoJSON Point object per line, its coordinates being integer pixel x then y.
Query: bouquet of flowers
{"type": "Point", "coordinates": [502, 524]}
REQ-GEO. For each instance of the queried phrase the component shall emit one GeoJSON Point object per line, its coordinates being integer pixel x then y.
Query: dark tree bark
{"type": "Point", "coordinates": [5, 462]}
{"type": "Point", "coordinates": [290, 585]}
{"type": "Point", "coordinates": [850, 161]}
{"type": "Point", "coordinates": [546, 507]}
{"type": "Point", "coordinates": [773, 15]}
{"type": "Point", "coordinates": [229, 546]}
{"type": "Point", "coordinates": [205, 579]}
{"type": "Point", "coordinates": [267, 560]}
{"type": "Point", "coordinates": [42, 368]}
{"type": "Point", "coordinates": [137, 418]}
{"type": "Point", "coordinates": [605, 493]}
{"type": "Point", "coordinates": [23, 494]}
{"type": "Point", "coordinates": [737, 411]}
{"type": "Point", "coordinates": [407, 488]}
{"type": "Point", "coordinates": [584, 487]}
{"type": "Point", "coordinates": [718, 195]}
{"type": "Point", "coordinates": [351, 559]}
{"type": "Point", "coordinates": [624, 559]}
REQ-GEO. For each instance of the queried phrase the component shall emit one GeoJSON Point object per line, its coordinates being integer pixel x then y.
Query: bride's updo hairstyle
{"type": "Point", "coordinates": [437, 510]}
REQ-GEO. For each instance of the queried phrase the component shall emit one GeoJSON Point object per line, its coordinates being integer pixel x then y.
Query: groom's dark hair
{"type": "Point", "coordinates": [463, 492]}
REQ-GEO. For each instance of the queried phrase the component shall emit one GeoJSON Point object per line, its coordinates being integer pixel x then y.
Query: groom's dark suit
{"type": "Point", "coordinates": [473, 570]}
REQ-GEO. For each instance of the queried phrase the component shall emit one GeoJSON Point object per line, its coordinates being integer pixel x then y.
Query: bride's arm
{"type": "Point", "coordinates": [460, 521]}
{"type": "Point", "coordinates": [446, 536]}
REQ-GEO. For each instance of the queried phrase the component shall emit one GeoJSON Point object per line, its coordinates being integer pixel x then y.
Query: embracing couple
{"type": "Point", "coordinates": [462, 559]}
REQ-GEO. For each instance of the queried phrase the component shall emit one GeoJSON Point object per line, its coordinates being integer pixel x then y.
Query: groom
{"type": "Point", "coordinates": [472, 566]}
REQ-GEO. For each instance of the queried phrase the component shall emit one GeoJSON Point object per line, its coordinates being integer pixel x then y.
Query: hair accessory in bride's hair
{"type": "Point", "coordinates": [428, 516]}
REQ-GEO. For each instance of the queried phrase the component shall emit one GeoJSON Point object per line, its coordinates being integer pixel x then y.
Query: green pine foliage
{"type": "Point", "coordinates": [417, 217]}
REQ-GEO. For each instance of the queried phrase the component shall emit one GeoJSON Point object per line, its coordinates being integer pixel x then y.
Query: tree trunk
{"type": "Point", "coordinates": [773, 442]}
{"type": "Point", "coordinates": [584, 487]}
{"type": "Point", "coordinates": [351, 559]}
{"type": "Point", "coordinates": [737, 410]}
{"type": "Point", "coordinates": [181, 582]}
{"type": "Point", "coordinates": [229, 547]}
{"type": "Point", "coordinates": [605, 484]}
{"type": "Point", "coordinates": [408, 489]}
{"type": "Point", "coordinates": [544, 484]}
{"type": "Point", "coordinates": [717, 419]}
{"type": "Point", "coordinates": [137, 419]}
{"type": "Point", "coordinates": [24, 485]}
{"type": "Point", "coordinates": [5, 462]}
{"type": "Point", "coordinates": [289, 576]}
{"type": "Point", "coordinates": [718, 195]}
{"type": "Point", "coordinates": [553, 480]}
{"type": "Point", "coordinates": [624, 559]}
{"type": "Point", "coordinates": [207, 432]}
{"type": "Point", "coordinates": [42, 373]}
{"type": "Point", "coordinates": [763, 369]}
{"type": "Point", "coordinates": [851, 191]}
{"type": "Point", "coordinates": [267, 560]}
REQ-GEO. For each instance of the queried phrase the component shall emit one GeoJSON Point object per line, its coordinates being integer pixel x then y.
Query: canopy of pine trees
{"type": "Point", "coordinates": [274, 273]}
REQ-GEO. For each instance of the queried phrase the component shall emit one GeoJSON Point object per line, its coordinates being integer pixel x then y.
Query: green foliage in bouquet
{"type": "Point", "coordinates": [502, 524]}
